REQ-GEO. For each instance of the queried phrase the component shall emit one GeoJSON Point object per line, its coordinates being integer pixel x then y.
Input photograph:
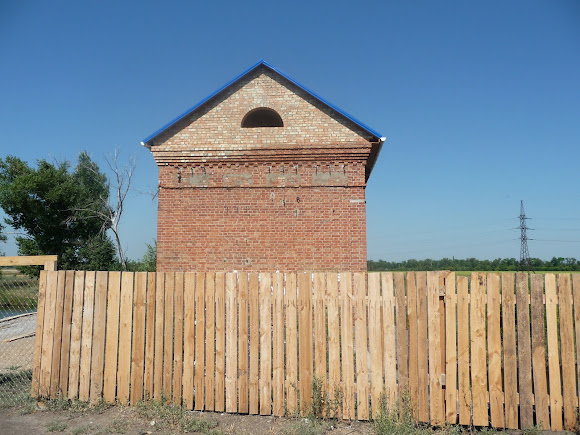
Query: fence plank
{"type": "Point", "coordinates": [494, 351]}
{"type": "Point", "coordinates": [254, 342]}
{"type": "Point", "coordinates": [220, 341]}
{"type": "Point", "coordinates": [203, 308]}
{"type": "Point", "coordinates": [66, 331]}
{"type": "Point", "coordinates": [334, 341]}
{"type": "Point", "coordinates": [138, 347]}
{"type": "Point", "coordinates": [435, 369]}
{"type": "Point", "coordinates": [524, 352]}
{"type": "Point", "coordinates": [539, 352]}
{"type": "Point", "coordinates": [159, 327]}
{"type": "Point", "coordinates": [553, 358]}
{"type": "Point", "coordinates": [76, 335]}
{"type": "Point", "coordinates": [291, 344]}
{"type": "Point", "coordinates": [231, 343]}
{"type": "Point", "coordinates": [278, 345]}
{"type": "Point", "coordinates": [98, 348]}
{"type": "Point", "coordinates": [423, 344]}
{"type": "Point", "coordinates": [361, 343]}
{"type": "Point", "coordinates": [148, 387]}
{"type": "Point", "coordinates": [375, 340]}
{"type": "Point", "coordinates": [305, 339]}
{"type": "Point", "coordinates": [319, 329]}
{"type": "Point", "coordinates": [347, 336]}
{"type": "Point", "coordinates": [48, 333]}
{"type": "Point", "coordinates": [567, 352]}
{"type": "Point", "coordinates": [478, 356]}
{"type": "Point", "coordinates": [188, 338]}
{"type": "Point", "coordinates": [402, 345]}
{"type": "Point", "coordinates": [126, 326]}
{"type": "Point", "coordinates": [265, 344]}
{"type": "Point", "coordinates": [413, 347]}
{"type": "Point", "coordinates": [168, 335]}
{"type": "Point", "coordinates": [451, 350]}
{"type": "Point", "coordinates": [34, 391]}
{"type": "Point", "coordinates": [178, 340]}
{"type": "Point", "coordinates": [55, 368]}
{"type": "Point", "coordinates": [576, 290]}
{"type": "Point", "coordinates": [464, 388]}
{"type": "Point", "coordinates": [509, 353]}
{"type": "Point", "coordinates": [209, 328]}
{"type": "Point", "coordinates": [87, 336]}
{"type": "Point", "coordinates": [243, 367]}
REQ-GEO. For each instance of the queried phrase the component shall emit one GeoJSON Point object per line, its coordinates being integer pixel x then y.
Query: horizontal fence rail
{"type": "Point", "coordinates": [494, 349]}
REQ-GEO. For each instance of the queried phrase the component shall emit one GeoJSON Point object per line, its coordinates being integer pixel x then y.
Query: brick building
{"type": "Point", "coordinates": [263, 175]}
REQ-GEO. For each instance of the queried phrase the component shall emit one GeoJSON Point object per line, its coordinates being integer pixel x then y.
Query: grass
{"type": "Point", "coordinates": [15, 388]}
{"type": "Point", "coordinates": [56, 426]}
{"type": "Point", "coordinates": [173, 417]}
{"type": "Point", "coordinates": [18, 292]}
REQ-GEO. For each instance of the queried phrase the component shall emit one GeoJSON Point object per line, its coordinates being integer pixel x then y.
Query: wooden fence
{"type": "Point", "coordinates": [494, 350]}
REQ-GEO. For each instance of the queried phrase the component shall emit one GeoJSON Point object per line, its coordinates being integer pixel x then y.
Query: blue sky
{"type": "Point", "coordinates": [479, 101]}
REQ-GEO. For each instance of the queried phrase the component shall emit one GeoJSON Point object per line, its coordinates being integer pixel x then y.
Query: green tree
{"type": "Point", "coordinates": [53, 206]}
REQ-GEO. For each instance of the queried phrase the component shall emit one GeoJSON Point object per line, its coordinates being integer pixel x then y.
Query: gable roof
{"type": "Point", "coordinates": [377, 137]}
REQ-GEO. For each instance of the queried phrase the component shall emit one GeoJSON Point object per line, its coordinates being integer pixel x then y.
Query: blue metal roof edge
{"type": "Point", "coordinates": [234, 80]}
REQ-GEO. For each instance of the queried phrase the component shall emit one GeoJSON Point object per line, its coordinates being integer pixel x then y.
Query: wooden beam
{"type": "Point", "coordinates": [48, 261]}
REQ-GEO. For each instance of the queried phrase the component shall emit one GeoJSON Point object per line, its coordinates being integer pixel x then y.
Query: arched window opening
{"type": "Point", "coordinates": [262, 117]}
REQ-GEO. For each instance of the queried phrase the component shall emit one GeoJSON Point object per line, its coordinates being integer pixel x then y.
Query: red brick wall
{"type": "Point", "coordinates": [262, 199]}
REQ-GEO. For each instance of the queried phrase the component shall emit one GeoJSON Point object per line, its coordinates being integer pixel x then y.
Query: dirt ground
{"type": "Point", "coordinates": [125, 420]}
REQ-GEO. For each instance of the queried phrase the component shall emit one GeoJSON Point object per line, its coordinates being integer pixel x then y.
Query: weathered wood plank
{"type": "Point", "coordinates": [423, 344]}
{"type": "Point", "coordinates": [178, 339]}
{"type": "Point", "coordinates": [55, 368]}
{"type": "Point", "coordinates": [265, 344]}
{"type": "Point", "coordinates": [510, 367]}
{"type": "Point", "coordinates": [66, 331]}
{"type": "Point", "coordinates": [159, 328]}
{"type": "Point", "coordinates": [539, 353]}
{"type": "Point", "coordinates": [451, 350]}
{"type": "Point", "coordinates": [334, 339]}
{"type": "Point", "coordinates": [243, 338]}
{"type": "Point", "coordinates": [305, 339]}
{"type": "Point", "coordinates": [138, 346]}
{"type": "Point", "coordinates": [188, 338]}
{"type": "Point", "coordinates": [361, 346]}
{"type": "Point", "coordinates": [148, 388]}
{"type": "Point", "coordinates": [553, 357]}
{"type": "Point", "coordinates": [402, 340]}
{"type": "Point", "coordinates": [209, 328]}
{"type": "Point", "coordinates": [524, 352]}
{"type": "Point", "coordinates": [278, 345]}
{"type": "Point", "coordinates": [319, 329]}
{"type": "Point", "coordinates": [254, 343]}
{"type": "Point", "coordinates": [413, 343]}
{"type": "Point", "coordinates": [567, 352]}
{"type": "Point", "coordinates": [291, 344]}
{"type": "Point", "coordinates": [435, 369]}
{"type": "Point", "coordinates": [98, 348]}
{"type": "Point", "coordinates": [576, 291]}
{"type": "Point", "coordinates": [464, 387]}
{"type": "Point", "coordinates": [203, 306]}
{"type": "Point", "coordinates": [168, 335]}
{"type": "Point", "coordinates": [375, 340]}
{"type": "Point", "coordinates": [494, 350]}
{"type": "Point", "coordinates": [31, 260]}
{"type": "Point", "coordinates": [125, 329]}
{"type": "Point", "coordinates": [87, 336]}
{"type": "Point", "coordinates": [231, 343]}
{"type": "Point", "coordinates": [39, 332]}
{"type": "Point", "coordinates": [220, 341]}
{"type": "Point", "coordinates": [76, 336]}
{"type": "Point", "coordinates": [348, 408]}
{"type": "Point", "coordinates": [112, 337]}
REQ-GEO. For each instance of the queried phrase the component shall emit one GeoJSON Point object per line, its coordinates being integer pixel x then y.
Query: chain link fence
{"type": "Point", "coordinates": [18, 300]}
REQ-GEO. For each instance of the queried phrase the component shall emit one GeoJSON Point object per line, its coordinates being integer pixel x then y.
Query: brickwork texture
{"type": "Point", "coordinates": [266, 198]}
